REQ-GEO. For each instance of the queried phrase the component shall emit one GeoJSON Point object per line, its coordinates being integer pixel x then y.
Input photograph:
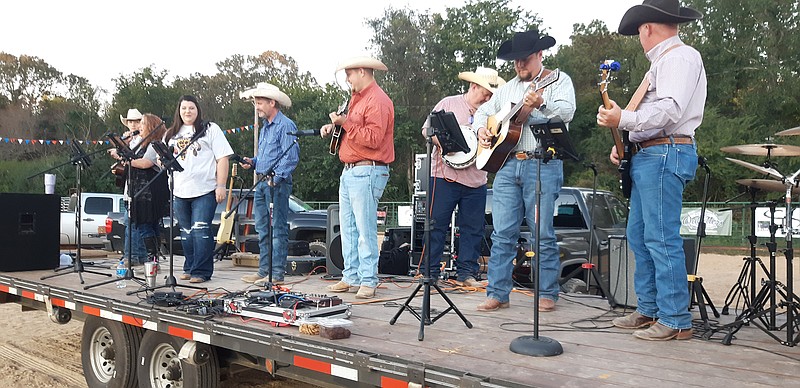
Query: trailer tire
{"type": "Point", "coordinates": [108, 353]}
{"type": "Point", "coordinates": [159, 366]}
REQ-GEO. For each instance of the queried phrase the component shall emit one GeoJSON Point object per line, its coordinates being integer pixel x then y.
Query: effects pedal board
{"type": "Point", "coordinates": [291, 308]}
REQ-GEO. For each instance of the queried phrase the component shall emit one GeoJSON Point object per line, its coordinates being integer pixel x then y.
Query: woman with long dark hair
{"type": "Point", "coordinates": [202, 150]}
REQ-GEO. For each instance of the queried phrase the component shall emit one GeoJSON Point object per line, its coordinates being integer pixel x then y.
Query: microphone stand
{"type": "Point", "coordinates": [267, 175]}
{"type": "Point", "coordinates": [698, 294]}
{"type": "Point", "coordinates": [81, 160]}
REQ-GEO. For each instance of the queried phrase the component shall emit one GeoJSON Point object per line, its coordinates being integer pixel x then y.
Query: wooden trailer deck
{"type": "Point", "coordinates": [595, 354]}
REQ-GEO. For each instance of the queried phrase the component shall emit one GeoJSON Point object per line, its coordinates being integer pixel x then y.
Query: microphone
{"type": "Point", "coordinates": [303, 133]}
{"type": "Point", "coordinates": [132, 134]}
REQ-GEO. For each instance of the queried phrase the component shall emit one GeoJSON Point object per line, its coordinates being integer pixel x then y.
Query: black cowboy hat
{"type": "Point", "coordinates": [656, 11]}
{"type": "Point", "coordinates": [524, 44]}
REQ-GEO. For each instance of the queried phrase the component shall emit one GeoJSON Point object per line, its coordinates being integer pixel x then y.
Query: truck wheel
{"type": "Point", "coordinates": [318, 248]}
{"type": "Point", "coordinates": [108, 353]}
{"type": "Point", "coordinates": [160, 367]}
{"type": "Point", "coordinates": [574, 286]}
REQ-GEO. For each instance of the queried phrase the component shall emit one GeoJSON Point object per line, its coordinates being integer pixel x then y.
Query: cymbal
{"type": "Point", "coordinates": [763, 150]}
{"type": "Point", "coordinates": [767, 185]}
{"type": "Point", "coordinates": [789, 132]}
{"type": "Point", "coordinates": [764, 170]}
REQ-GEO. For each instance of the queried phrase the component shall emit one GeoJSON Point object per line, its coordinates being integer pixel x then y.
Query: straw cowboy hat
{"type": "Point", "coordinates": [133, 114]}
{"type": "Point", "coordinates": [655, 11]}
{"type": "Point", "coordinates": [267, 90]}
{"type": "Point", "coordinates": [483, 76]}
{"type": "Point", "coordinates": [524, 44]}
{"type": "Point", "coordinates": [359, 62]}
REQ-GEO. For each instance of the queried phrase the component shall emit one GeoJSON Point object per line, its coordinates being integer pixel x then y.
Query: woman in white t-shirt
{"type": "Point", "coordinates": [201, 149]}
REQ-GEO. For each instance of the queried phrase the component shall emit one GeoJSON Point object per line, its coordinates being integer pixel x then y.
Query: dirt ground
{"type": "Point", "coordinates": [34, 352]}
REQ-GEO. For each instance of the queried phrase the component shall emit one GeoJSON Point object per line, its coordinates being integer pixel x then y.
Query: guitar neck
{"type": "Point", "coordinates": [614, 131]}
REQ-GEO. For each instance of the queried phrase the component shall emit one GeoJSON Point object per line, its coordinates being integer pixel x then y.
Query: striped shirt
{"type": "Point", "coordinates": [676, 97]}
{"type": "Point", "coordinates": [559, 100]}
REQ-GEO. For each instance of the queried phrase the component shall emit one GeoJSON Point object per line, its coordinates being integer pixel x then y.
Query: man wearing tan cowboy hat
{"type": "Point", "coordinates": [275, 185]}
{"type": "Point", "coordinates": [464, 186]}
{"type": "Point", "coordinates": [514, 187]}
{"type": "Point", "coordinates": [670, 103]}
{"type": "Point", "coordinates": [367, 148]}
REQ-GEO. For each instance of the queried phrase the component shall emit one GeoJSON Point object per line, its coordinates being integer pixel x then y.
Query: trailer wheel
{"type": "Point", "coordinates": [108, 353]}
{"type": "Point", "coordinates": [160, 367]}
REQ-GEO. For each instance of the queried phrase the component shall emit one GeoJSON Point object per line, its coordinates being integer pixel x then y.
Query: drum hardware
{"type": "Point", "coordinates": [768, 150]}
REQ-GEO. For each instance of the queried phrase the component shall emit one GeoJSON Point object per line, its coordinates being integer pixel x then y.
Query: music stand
{"type": "Point", "coordinates": [553, 142]}
{"type": "Point", "coordinates": [448, 132]}
{"type": "Point", "coordinates": [81, 160]}
{"type": "Point", "coordinates": [425, 283]}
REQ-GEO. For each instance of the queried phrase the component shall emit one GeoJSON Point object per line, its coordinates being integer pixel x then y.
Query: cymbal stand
{"type": "Point", "coordinates": [745, 287]}
{"type": "Point", "coordinates": [754, 315]}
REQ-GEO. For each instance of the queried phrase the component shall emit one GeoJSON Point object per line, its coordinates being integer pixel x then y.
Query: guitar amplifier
{"type": "Point", "coordinates": [422, 174]}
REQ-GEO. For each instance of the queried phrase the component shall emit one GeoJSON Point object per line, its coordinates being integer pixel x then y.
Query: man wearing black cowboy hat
{"type": "Point", "coordinates": [514, 184]}
{"type": "Point", "coordinates": [663, 128]}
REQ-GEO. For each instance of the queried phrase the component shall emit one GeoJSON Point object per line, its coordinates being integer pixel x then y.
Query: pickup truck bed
{"type": "Point", "coordinates": [451, 355]}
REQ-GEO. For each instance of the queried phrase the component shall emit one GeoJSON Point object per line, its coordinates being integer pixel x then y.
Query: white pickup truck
{"type": "Point", "coordinates": [94, 211]}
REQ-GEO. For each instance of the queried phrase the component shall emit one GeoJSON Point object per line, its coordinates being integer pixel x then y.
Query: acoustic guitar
{"type": "Point", "coordinates": [505, 128]}
{"type": "Point", "coordinates": [336, 134]}
{"type": "Point", "coordinates": [621, 141]}
{"type": "Point", "coordinates": [224, 234]}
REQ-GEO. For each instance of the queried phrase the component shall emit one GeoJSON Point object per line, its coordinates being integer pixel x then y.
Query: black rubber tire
{"type": "Point", "coordinates": [108, 353]}
{"type": "Point", "coordinates": [158, 353]}
{"type": "Point", "coordinates": [317, 248]}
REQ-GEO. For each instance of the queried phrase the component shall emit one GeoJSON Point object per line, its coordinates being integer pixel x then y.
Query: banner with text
{"type": "Point", "coordinates": [717, 223]}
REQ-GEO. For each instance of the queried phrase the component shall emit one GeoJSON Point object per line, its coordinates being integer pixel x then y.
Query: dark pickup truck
{"type": "Point", "coordinates": [305, 224]}
{"type": "Point", "coordinates": [572, 220]}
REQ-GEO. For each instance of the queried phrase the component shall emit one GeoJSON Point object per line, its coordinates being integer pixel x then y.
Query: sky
{"type": "Point", "coordinates": [101, 40]}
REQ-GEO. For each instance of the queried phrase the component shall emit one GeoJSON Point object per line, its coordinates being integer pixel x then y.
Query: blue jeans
{"type": "Point", "coordinates": [514, 196]}
{"type": "Point", "coordinates": [280, 234]}
{"type": "Point", "coordinates": [195, 216]}
{"type": "Point", "coordinates": [470, 220]}
{"type": "Point", "coordinates": [360, 189]}
{"type": "Point", "coordinates": [659, 175]}
{"type": "Point", "coordinates": [139, 250]}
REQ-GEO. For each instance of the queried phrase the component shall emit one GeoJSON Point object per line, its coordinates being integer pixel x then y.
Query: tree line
{"type": "Point", "coordinates": [750, 48]}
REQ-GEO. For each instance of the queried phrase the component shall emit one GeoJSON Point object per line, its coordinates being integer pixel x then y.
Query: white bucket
{"type": "Point", "coordinates": [49, 183]}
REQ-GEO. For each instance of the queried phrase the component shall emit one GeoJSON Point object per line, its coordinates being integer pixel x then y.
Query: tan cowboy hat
{"type": "Point", "coordinates": [267, 90]}
{"type": "Point", "coordinates": [133, 114]}
{"type": "Point", "coordinates": [483, 76]}
{"type": "Point", "coordinates": [359, 62]}
{"type": "Point", "coordinates": [656, 11]}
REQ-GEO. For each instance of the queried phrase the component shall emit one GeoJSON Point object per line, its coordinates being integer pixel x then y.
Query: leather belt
{"type": "Point", "coordinates": [364, 163]}
{"type": "Point", "coordinates": [524, 155]}
{"type": "Point", "coordinates": [666, 140]}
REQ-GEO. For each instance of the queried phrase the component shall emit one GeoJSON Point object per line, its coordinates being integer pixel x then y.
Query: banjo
{"type": "Point", "coordinates": [461, 160]}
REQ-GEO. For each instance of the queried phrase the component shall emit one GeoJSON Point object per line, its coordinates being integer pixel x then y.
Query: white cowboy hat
{"type": "Point", "coordinates": [358, 62]}
{"type": "Point", "coordinates": [133, 114]}
{"type": "Point", "coordinates": [483, 76]}
{"type": "Point", "coordinates": [270, 91]}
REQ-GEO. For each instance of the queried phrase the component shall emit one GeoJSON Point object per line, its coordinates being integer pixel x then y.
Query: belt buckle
{"type": "Point", "coordinates": [521, 155]}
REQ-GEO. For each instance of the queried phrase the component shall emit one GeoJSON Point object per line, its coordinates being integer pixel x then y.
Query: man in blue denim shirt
{"type": "Point", "coordinates": [273, 141]}
{"type": "Point", "coordinates": [514, 187]}
{"type": "Point", "coordinates": [662, 127]}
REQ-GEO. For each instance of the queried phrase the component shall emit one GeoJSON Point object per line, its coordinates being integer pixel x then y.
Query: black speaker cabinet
{"type": "Point", "coordinates": [334, 262]}
{"type": "Point", "coordinates": [621, 266]}
{"type": "Point", "coordinates": [29, 231]}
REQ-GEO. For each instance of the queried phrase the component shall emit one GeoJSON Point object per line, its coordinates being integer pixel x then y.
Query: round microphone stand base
{"type": "Point", "coordinates": [530, 345]}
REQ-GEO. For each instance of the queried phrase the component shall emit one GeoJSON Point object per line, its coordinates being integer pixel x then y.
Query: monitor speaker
{"type": "Point", "coordinates": [29, 231]}
{"type": "Point", "coordinates": [334, 262]}
{"type": "Point", "coordinates": [621, 263]}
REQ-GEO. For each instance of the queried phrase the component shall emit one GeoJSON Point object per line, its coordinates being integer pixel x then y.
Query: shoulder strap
{"type": "Point", "coordinates": [638, 95]}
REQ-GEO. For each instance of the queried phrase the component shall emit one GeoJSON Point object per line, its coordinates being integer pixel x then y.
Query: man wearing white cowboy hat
{"type": "Point", "coordinates": [464, 187]}
{"type": "Point", "coordinates": [670, 102]}
{"type": "Point", "coordinates": [513, 189]}
{"type": "Point", "coordinates": [132, 121]}
{"type": "Point", "coordinates": [367, 148]}
{"type": "Point", "coordinates": [273, 141]}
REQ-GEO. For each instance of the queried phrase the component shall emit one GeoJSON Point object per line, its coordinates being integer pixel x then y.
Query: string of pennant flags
{"type": "Point", "coordinates": [21, 141]}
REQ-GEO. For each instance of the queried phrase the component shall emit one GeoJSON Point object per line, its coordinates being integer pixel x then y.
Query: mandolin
{"type": "Point", "coordinates": [336, 135]}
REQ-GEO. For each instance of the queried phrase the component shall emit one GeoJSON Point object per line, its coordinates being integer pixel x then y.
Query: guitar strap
{"type": "Point", "coordinates": [638, 95]}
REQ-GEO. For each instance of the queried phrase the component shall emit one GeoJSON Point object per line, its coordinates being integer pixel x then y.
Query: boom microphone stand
{"type": "Point", "coordinates": [81, 160]}
{"type": "Point", "coordinates": [425, 283]}
{"type": "Point", "coordinates": [697, 293]}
